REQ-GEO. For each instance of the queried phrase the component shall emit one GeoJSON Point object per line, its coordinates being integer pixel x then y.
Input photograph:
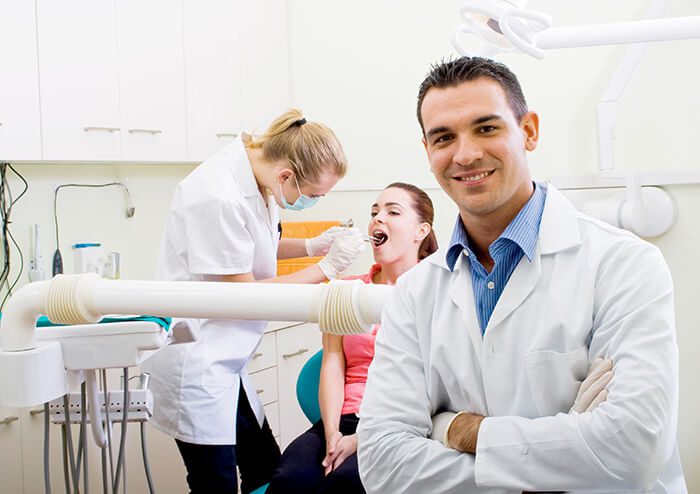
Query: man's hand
{"type": "Point", "coordinates": [592, 391]}
{"type": "Point", "coordinates": [463, 432]}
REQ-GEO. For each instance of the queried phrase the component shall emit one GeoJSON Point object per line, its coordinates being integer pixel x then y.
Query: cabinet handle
{"type": "Point", "coordinates": [104, 129]}
{"type": "Point", "coordinates": [259, 391]}
{"type": "Point", "coordinates": [8, 419]}
{"type": "Point", "coordinates": [145, 131]}
{"type": "Point", "coordinates": [226, 134]}
{"type": "Point", "coordinates": [298, 352]}
{"type": "Point", "coordinates": [36, 411]}
{"type": "Point", "coordinates": [257, 355]}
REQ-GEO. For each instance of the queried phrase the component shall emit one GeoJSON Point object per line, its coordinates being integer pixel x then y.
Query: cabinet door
{"type": "Point", "coordinates": [78, 71]}
{"type": "Point", "coordinates": [20, 133]}
{"type": "Point", "coordinates": [213, 73]}
{"type": "Point", "coordinates": [11, 447]}
{"type": "Point", "coordinates": [294, 347]}
{"type": "Point", "coordinates": [151, 80]}
{"type": "Point", "coordinates": [264, 62]}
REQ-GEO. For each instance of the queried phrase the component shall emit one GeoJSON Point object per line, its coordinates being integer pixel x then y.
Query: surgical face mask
{"type": "Point", "coordinates": [303, 202]}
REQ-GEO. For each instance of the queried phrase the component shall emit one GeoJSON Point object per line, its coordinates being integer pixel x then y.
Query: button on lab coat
{"type": "Point", "coordinates": [218, 225]}
{"type": "Point", "coordinates": [591, 290]}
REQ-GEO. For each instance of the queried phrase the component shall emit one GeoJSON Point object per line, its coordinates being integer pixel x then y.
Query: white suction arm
{"type": "Point", "coordinates": [77, 299]}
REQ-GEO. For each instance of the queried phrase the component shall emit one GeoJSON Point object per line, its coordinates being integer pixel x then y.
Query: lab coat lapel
{"type": "Point", "coordinates": [461, 293]}
{"type": "Point", "coordinates": [558, 232]}
{"type": "Point", "coordinates": [519, 286]}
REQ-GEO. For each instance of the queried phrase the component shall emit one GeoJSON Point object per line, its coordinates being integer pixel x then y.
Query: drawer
{"type": "Point", "coordinates": [272, 412]}
{"type": "Point", "coordinates": [265, 382]}
{"type": "Point", "coordinates": [265, 355]}
{"type": "Point", "coordinates": [296, 344]}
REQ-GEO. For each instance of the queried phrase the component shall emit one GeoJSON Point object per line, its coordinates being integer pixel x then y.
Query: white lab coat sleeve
{"type": "Point", "coordinates": [218, 241]}
{"type": "Point", "coordinates": [622, 445]}
{"type": "Point", "coordinates": [394, 453]}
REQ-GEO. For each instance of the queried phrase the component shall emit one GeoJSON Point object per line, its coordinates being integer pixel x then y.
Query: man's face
{"type": "Point", "coordinates": [476, 147]}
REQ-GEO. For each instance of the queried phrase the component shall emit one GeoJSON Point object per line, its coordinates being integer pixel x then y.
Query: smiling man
{"type": "Point", "coordinates": [476, 383]}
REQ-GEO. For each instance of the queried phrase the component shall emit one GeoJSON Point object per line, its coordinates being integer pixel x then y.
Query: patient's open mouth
{"type": "Point", "coordinates": [379, 237]}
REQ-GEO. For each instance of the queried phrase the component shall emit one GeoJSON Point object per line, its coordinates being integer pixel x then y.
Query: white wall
{"type": "Point", "coordinates": [358, 66]}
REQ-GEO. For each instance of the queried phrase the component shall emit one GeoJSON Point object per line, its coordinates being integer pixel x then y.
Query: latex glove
{"type": "Point", "coordinates": [318, 246]}
{"type": "Point", "coordinates": [441, 422]}
{"type": "Point", "coordinates": [592, 391]}
{"type": "Point", "coordinates": [344, 250]}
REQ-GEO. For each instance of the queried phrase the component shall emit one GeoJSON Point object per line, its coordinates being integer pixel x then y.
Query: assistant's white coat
{"type": "Point", "coordinates": [218, 225]}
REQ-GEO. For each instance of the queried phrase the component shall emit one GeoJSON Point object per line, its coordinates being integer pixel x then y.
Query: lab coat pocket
{"type": "Point", "coordinates": [555, 377]}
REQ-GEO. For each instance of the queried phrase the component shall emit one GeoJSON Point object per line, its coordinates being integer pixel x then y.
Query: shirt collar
{"type": "Point", "coordinates": [523, 230]}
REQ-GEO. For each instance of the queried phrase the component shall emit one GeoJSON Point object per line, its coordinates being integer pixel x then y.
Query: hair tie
{"type": "Point", "coordinates": [299, 122]}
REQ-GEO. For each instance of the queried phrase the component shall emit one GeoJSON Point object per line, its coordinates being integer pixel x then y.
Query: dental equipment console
{"type": "Point", "coordinates": [45, 363]}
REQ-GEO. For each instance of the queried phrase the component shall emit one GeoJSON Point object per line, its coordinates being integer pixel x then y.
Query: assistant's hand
{"type": "Point", "coordinates": [319, 245]}
{"type": "Point", "coordinates": [344, 250]}
{"type": "Point", "coordinates": [592, 391]}
{"type": "Point", "coordinates": [335, 456]}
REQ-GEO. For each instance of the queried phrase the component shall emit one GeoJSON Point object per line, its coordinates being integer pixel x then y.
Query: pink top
{"type": "Point", "coordinates": [359, 352]}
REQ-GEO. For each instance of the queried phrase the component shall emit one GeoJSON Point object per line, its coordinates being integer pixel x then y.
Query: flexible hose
{"type": "Point", "coordinates": [98, 433]}
{"type": "Point", "coordinates": [108, 426]}
{"type": "Point", "coordinates": [64, 444]}
{"type": "Point", "coordinates": [83, 439]}
{"type": "Point", "coordinates": [146, 465]}
{"type": "Point", "coordinates": [122, 441]}
{"type": "Point", "coordinates": [47, 437]}
{"type": "Point", "coordinates": [69, 438]}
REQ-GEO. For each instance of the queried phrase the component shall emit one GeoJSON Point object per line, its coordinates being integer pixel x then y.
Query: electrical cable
{"type": "Point", "coordinates": [6, 205]}
{"type": "Point", "coordinates": [146, 464]}
{"type": "Point", "coordinates": [47, 438]}
{"type": "Point", "coordinates": [57, 264]}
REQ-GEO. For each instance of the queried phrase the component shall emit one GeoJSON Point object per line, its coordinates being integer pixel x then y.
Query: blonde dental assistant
{"type": "Point", "coordinates": [223, 226]}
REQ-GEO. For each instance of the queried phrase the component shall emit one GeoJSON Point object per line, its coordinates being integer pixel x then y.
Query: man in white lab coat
{"type": "Point", "coordinates": [501, 326]}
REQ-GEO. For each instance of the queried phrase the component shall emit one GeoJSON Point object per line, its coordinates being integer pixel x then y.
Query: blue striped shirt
{"type": "Point", "coordinates": [518, 239]}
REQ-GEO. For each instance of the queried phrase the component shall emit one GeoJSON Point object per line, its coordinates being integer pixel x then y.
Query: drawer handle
{"type": "Point", "coordinates": [145, 131]}
{"type": "Point", "coordinates": [36, 411]}
{"type": "Point", "coordinates": [104, 129]}
{"type": "Point", "coordinates": [7, 420]}
{"type": "Point", "coordinates": [226, 134]}
{"type": "Point", "coordinates": [260, 391]}
{"type": "Point", "coordinates": [257, 355]}
{"type": "Point", "coordinates": [298, 352]}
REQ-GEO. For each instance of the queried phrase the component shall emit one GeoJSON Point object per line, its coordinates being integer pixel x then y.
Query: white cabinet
{"type": "Point", "coordinates": [112, 80]}
{"type": "Point", "coordinates": [79, 81]}
{"type": "Point", "coordinates": [11, 447]}
{"type": "Point", "coordinates": [151, 80]}
{"type": "Point", "coordinates": [236, 63]}
{"type": "Point", "coordinates": [20, 137]}
{"type": "Point", "coordinates": [274, 370]}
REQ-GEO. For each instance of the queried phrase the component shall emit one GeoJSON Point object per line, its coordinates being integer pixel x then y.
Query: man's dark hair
{"type": "Point", "coordinates": [451, 73]}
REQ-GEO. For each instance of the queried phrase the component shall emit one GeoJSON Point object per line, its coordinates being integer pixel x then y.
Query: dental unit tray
{"type": "Point", "coordinates": [85, 347]}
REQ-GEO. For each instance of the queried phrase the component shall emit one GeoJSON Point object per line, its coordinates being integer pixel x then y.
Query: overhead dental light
{"type": "Point", "coordinates": [505, 25]}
